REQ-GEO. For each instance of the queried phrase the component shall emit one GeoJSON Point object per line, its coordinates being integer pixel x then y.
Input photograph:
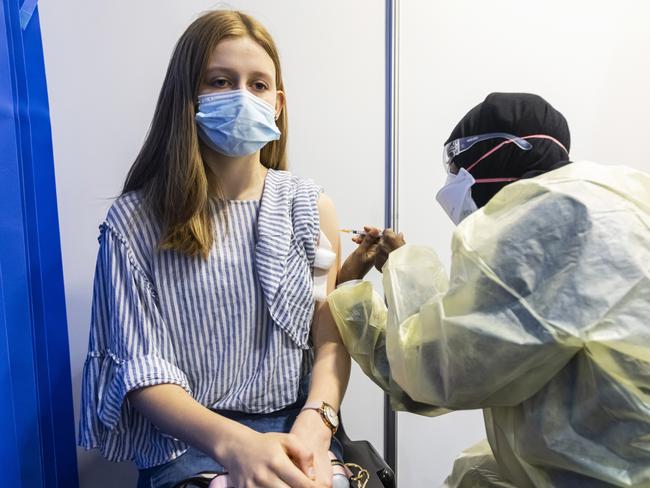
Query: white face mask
{"type": "Point", "coordinates": [456, 196]}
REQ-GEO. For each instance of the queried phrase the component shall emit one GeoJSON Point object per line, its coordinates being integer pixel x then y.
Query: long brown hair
{"type": "Point", "coordinates": [169, 170]}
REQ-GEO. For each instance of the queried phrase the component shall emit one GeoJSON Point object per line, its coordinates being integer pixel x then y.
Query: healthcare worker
{"type": "Point", "coordinates": [545, 320]}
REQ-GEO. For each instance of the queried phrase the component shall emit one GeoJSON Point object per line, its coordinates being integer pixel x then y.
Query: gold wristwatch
{"type": "Point", "coordinates": [327, 413]}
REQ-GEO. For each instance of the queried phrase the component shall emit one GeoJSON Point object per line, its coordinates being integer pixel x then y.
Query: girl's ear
{"type": "Point", "coordinates": [279, 103]}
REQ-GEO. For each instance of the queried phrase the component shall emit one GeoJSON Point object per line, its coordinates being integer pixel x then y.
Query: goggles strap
{"type": "Point", "coordinates": [499, 146]}
{"type": "Point", "coordinates": [495, 180]}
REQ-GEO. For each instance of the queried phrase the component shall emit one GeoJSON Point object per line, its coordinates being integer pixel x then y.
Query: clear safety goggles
{"type": "Point", "coordinates": [457, 146]}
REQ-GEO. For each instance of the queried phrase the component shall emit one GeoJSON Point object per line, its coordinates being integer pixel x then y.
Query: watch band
{"type": "Point", "coordinates": [320, 408]}
{"type": "Point", "coordinates": [312, 406]}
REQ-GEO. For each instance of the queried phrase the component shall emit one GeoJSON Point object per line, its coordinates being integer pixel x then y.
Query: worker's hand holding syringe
{"type": "Point", "coordinates": [373, 250]}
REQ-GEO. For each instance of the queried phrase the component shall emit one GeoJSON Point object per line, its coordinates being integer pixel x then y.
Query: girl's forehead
{"type": "Point", "coordinates": [241, 54]}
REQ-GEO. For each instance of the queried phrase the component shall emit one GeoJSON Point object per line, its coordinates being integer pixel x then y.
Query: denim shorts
{"type": "Point", "coordinates": [193, 461]}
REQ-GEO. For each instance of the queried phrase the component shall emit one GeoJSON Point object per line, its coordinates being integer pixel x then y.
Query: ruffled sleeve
{"type": "Point", "coordinates": [287, 240]}
{"type": "Point", "coordinates": [306, 218]}
{"type": "Point", "coordinates": [130, 347]}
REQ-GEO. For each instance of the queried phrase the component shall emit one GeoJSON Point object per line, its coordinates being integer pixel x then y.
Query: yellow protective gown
{"type": "Point", "coordinates": [545, 324]}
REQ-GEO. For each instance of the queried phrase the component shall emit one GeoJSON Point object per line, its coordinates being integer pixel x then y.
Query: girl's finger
{"type": "Point", "coordinates": [276, 483]}
{"type": "Point", "coordinates": [293, 477]}
{"type": "Point", "coordinates": [303, 457]}
{"type": "Point", "coordinates": [324, 470]}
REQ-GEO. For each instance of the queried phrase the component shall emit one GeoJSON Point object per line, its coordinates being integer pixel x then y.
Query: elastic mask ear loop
{"type": "Point", "coordinates": [499, 146]}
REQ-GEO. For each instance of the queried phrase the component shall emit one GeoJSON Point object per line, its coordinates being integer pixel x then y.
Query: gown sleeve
{"type": "Point", "coordinates": [488, 336]}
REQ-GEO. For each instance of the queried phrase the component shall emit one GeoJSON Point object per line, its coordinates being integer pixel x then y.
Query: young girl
{"type": "Point", "coordinates": [207, 351]}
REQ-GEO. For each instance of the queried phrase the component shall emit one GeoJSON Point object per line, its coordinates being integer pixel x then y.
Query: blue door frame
{"type": "Point", "coordinates": [37, 444]}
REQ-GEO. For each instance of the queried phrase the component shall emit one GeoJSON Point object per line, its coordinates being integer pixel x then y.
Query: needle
{"type": "Point", "coordinates": [357, 232]}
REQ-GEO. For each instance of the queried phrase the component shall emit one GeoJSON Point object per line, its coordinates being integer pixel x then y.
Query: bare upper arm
{"type": "Point", "coordinates": [324, 329]}
{"type": "Point", "coordinates": [330, 227]}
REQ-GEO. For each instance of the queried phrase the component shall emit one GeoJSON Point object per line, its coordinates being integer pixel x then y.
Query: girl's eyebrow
{"type": "Point", "coordinates": [232, 72]}
{"type": "Point", "coordinates": [261, 74]}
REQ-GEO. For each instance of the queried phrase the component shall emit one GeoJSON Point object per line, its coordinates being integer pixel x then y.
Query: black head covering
{"type": "Point", "coordinates": [520, 114]}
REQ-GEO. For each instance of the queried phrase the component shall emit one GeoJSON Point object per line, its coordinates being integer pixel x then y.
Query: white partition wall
{"type": "Point", "coordinates": [590, 59]}
{"type": "Point", "coordinates": [105, 63]}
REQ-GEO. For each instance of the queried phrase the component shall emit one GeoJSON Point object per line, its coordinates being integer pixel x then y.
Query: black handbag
{"type": "Point", "coordinates": [201, 480]}
{"type": "Point", "coordinates": [363, 454]}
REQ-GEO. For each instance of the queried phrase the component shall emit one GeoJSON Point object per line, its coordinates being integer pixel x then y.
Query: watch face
{"type": "Point", "coordinates": [331, 416]}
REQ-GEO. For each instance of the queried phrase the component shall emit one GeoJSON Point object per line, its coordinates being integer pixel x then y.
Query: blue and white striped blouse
{"type": "Point", "coordinates": [232, 330]}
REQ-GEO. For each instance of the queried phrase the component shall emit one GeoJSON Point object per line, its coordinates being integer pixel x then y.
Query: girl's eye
{"type": "Point", "coordinates": [260, 86]}
{"type": "Point", "coordinates": [220, 83]}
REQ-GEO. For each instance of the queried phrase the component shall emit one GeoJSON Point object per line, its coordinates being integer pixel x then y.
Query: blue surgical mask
{"type": "Point", "coordinates": [236, 123]}
{"type": "Point", "coordinates": [456, 196]}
